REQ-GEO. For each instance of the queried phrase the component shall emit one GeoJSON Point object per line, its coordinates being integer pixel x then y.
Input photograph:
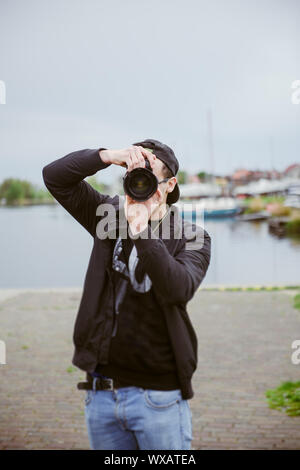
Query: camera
{"type": "Point", "coordinates": [140, 183]}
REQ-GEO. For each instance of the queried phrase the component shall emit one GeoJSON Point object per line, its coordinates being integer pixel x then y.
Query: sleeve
{"type": "Point", "coordinates": [64, 178]}
{"type": "Point", "coordinates": [176, 278]}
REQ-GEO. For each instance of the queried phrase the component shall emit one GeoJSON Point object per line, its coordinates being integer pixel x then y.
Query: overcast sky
{"type": "Point", "coordinates": [91, 73]}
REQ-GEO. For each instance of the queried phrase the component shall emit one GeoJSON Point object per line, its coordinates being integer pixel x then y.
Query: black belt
{"type": "Point", "coordinates": [102, 384]}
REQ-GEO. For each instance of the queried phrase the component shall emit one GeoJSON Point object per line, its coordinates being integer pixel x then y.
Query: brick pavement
{"type": "Point", "coordinates": [244, 341]}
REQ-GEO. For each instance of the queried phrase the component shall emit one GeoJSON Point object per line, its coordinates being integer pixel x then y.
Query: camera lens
{"type": "Point", "coordinates": [140, 183]}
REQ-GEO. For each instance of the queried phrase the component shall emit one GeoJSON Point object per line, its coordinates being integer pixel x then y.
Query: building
{"type": "Point", "coordinates": [292, 171]}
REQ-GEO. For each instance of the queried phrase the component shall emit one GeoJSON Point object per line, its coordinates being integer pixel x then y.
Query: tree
{"type": "Point", "coordinates": [14, 190]}
{"type": "Point", "coordinates": [181, 177]}
{"type": "Point", "coordinates": [101, 187]}
{"type": "Point", "coordinates": [202, 175]}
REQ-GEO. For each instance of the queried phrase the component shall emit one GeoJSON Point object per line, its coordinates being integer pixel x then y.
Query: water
{"type": "Point", "coordinates": [43, 246]}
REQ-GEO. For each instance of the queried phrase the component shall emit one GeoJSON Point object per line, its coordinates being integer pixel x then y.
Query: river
{"type": "Point", "coordinates": [43, 246]}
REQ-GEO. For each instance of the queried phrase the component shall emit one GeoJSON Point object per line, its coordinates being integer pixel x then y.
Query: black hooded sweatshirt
{"type": "Point", "coordinates": [176, 266]}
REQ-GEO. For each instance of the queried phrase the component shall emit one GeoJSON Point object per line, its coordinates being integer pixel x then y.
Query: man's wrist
{"type": "Point", "coordinates": [105, 156]}
{"type": "Point", "coordinates": [145, 241]}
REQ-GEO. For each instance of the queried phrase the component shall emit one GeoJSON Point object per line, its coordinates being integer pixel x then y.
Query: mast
{"type": "Point", "coordinates": [271, 149]}
{"type": "Point", "coordinates": [209, 119]}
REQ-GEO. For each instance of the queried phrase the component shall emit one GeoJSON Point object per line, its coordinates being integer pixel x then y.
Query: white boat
{"type": "Point", "coordinates": [292, 201]}
{"type": "Point", "coordinates": [209, 207]}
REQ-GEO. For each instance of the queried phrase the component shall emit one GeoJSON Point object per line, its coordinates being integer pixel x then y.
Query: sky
{"type": "Point", "coordinates": [93, 73]}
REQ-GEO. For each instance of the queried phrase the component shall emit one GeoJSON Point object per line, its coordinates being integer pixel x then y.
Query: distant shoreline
{"type": "Point", "coordinates": [30, 203]}
{"type": "Point", "coordinates": [7, 293]}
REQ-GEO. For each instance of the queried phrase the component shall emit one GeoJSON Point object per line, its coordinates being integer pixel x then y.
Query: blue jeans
{"type": "Point", "coordinates": [137, 418]}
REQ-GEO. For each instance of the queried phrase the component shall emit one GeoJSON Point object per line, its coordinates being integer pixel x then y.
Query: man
{"type": "Point", "coordinates": [132, 334]}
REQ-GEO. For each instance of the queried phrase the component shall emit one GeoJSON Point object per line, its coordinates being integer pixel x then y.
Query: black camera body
{"type": "Point", "coordinates": [140, 183]}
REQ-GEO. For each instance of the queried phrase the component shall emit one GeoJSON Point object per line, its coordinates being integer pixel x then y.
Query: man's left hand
{"type": "Point", "coordinates": [138, 213]}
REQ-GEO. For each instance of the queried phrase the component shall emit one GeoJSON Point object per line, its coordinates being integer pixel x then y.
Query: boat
{"type": "Point", "coordinates": [292, 201]}
{"type": "Point", "coordinates": [209, 207]}
{"type": "Point", "coordinates": [277, 225]}
{"type": "Point", "coordinates": [256, 216]}
{"type": "Point", "coordinates": [293, 196]}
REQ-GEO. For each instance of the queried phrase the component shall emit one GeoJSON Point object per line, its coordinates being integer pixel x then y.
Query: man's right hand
{"type": "Point", "coordinates": [131, 157]}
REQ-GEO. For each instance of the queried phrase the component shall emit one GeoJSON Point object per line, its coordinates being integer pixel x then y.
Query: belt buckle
{"type": "Point", "coordinates": [111, 383]}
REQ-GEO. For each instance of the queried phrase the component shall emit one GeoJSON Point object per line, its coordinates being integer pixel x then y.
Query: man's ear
{"type": "Point", "coordinates": [173, 186]}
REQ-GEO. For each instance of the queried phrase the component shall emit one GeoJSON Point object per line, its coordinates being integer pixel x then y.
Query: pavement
{"type": "Point", "coordinates": [244, 348]}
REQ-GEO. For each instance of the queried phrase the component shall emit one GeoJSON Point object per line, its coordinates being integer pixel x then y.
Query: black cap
{"type": "Point", "coordinates": [166, 155]}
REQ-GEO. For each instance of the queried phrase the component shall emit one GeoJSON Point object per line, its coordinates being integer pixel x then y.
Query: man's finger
{"type": "Point", "coordinates": [151, 156]}
{"type": "Point", "coordinates": [130, 200]}
{"type": "Point", "coordinates": [140, 157]}
{"type": "Point", "coordinates": [135, 160]}
{"type": "Point", "coordinates": [130, 162]}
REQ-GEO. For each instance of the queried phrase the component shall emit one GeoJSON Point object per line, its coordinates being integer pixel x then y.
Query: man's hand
{"type": "Point", "coordinates": [132, 157]}
{"type": "Point", "coordinates": [138, 213]}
